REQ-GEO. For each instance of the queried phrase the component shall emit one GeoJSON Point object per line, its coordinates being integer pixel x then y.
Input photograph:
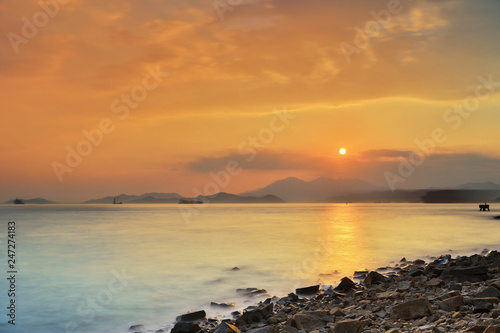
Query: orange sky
{"type": "Point", "coordinates": [374, 77]}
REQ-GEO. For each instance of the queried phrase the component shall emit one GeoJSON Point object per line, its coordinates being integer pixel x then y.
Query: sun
{"type": "Point", "coordinates": [342, 151]}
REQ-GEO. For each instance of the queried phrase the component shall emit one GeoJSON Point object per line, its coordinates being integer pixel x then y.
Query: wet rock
{"type": "Point", "coordinates": [345, 285]}
{"type": "Point", "coordinates": [482, 307]}
{"type": "Point", "coordinates": [416, 272]}
{"type": "Point", "coordinates": [225, 327]}
{"type": "Point", "coordinates": [137, 328]}
{"type": "Point", "coordinates": [235, 268]}
{"type": "Point", "coordinates": [489, 292]}
{"type": "Point", "coordinates": [222, 305]}
{"type": "Point", "coordinates": [307, 290]}
{"type": "Point", "coordinates": [192, 316]}
{"type": "Point", "coordinates": [462, 274]}
{"type": "Point", "coordinates": [348, 326]}
{"type": "Point", "coordinates": [374, 278]}
{"type": "Point", "coordinates": [412, 309]}
{"type": "Point", "coordinates": [255, 316]}
{"type": "Point", "coordinates": [451, 304]}
{"type": "Point", "coordinates": [265, 329]}
{"type": "Point", "coordinates": [185, 327]}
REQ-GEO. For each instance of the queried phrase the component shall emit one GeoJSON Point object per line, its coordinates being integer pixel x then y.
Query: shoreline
{"type": "Point", "coordinates": [448, 294]}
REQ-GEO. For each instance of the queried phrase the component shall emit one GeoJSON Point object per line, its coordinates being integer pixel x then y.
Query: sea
{"type": "Point", "coordinates": [103, 268]}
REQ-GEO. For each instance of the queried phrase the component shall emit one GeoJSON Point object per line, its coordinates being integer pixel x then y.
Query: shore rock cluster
{"type": "Point", "coordinates": [445, 295]}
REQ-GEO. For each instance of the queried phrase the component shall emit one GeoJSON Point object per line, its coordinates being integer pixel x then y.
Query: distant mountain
{"type": "Point", "coordinates": [34, 201]}
{"type": "Point", "coordinates": [223, 197]}
{"type": "Point", "coordinates": [153, 200]}
{"type": "Point", "coordinates": [479, 186]}
{"type": "Point", "coordinates": [319, 190]}
{"type": "Point", "coordinates": [461, 196]}
{"type": "Point", "coordinates": [413, 196]}
{"type": "Point", "coordinates": [125, 198]}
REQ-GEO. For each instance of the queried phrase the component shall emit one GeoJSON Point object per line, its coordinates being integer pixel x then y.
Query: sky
{"type": "Point", "coordinates": [103, 98]}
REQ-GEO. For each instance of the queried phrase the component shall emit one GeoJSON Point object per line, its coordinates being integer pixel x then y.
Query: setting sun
{"type": "Point", "coordinates": [342, 151]}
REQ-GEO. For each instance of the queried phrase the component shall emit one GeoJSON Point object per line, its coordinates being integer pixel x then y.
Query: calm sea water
{"type": "Point", "coordinates": [99, 268]}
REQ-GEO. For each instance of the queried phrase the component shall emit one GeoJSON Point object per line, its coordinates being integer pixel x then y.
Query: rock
{"type": "Point", "coordinates": [435, 282]}
{"type": "Point", "coordinates": [137, 328]}
{"type": "Point", "coordinates": [225, 327]}
{"type": "Point", "coordinates": [412, 309]}
{"type": "Point", "coordinates": [489, 292]}
{"type": "Point", "coordinates": [307, 290]}
{"type": "Point", "coordinates": [308, 323]}
{"type": "Point", "coordinates": [265, 329]}
{"type": "Point", "coordinates": [348, 326]}
{"type": "Point", "coordinates": [293, 297]}
{"type": "Point", "coordinates": [255, 316]}
{"type": "Point", "coordinates": [345, 285]}
{"type": "Point", "coordinates": [337, 312]}
{"type": "Point", "coordinates": [403, 286]}
{"type": "Point", "coordinates": [235, 268]}
{"type": "Point", "coordinates": [451, 304]}
{"type": "Point", "coordinates": [482, 307]}
{"type": "Point", "coordinates": [462, 274]}
{"type": "Point", "coordinates": [374, 278]}
{"type": "Point", "coordinates": [477, 300]}
{"type": "Point", "coordinates": [185, 327]}
{"type": "Point", "coordinates": [416, 272]}
{"type": "Point", "coordinates": [289, 329]}
{"type": "Point", "coordinates": [492, 329]}
{"type": "Point", "coordinates": [222, 305]}
{"type": "Point", "coordinates": [192, 316]}
{"type": "Point", "coordinates": [477, 329]}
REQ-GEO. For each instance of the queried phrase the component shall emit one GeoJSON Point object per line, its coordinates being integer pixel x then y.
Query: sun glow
{"type": "Point", "coordinates": [342, 151]}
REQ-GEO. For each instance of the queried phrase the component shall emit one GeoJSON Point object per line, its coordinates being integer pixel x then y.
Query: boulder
{"type": "Point", "coordinates": [255, 316]}
{"type": "Point", "coordinates": [435, 282]}
{"type": "Point", "coordinates": [462, 274]}
{"type": "Point", "coordinates": [185, 327]}
{"type": "Point", "coordinates": [308, 322]}
{"type": "Point", "coordinates": [482, 307]}
{"type": "Point", "coordinates": [192, 316]}
{"type": "Point", "coordinates": [451, 304]}
{"type": "Point", "coordinates": [414, 309]}
{"type": "Point", "coordinates": [492, 329]}
{"type": "Point", "coordinates": [374, 278]}
{"type": "Point", "coordinates": [489, 292]}
{"type": "Point", "coordinates": [265, 329]}
{"type": "Point", "coordinates": [307, 290]}
{"type": "Point", "coordinates": [225, 327]}
{"type": "Point", "coordinates": [345, 285]}
{"type": "Point", "coordinates": [348, 326]}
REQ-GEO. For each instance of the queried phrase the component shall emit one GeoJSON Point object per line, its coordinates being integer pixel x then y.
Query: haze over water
{"type": "Point", "coordinates": [99, 268]}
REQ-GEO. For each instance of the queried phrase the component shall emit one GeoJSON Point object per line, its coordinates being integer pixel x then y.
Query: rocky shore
{"type": "Point", "coordinates": [459, 294]}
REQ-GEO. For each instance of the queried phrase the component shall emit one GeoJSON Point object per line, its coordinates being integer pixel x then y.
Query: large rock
{"type": "Point", "coordinates": [265, 329]}
{"type": "Point", "coordinates": [192, 316]}
{"type": "Point", "coordinates": [489, 292]}
{"type": "Point", "coordinates": [307, 290]}
{"type": "Point", "coordinates": [374, 278]}
{"type": "Point", "coordinates": [227, 328]}
{"type": "Point", "coordinates": [412, 309]}
{"type": "Point", "coordinates": [255, 316]}
{"type": "Point", "coordinates": [185, 327]}
{"type": "Point", "coordinates": [308, 322]}
{"type": "Point", "coordinates": [451, 304]}
{"type": "Point", "coordinates": [463, 274]}
{"type": "Point", "coordinates": [492, 329]}
{"type": "Point", "coordinates": [348, 326]}
{"type": "Point", "coordinates": [345, 285]}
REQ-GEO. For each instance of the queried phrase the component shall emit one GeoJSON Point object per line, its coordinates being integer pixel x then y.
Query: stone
{"type": "Point", "coordinates": [255, 316]}
{"type": "Point", "coordinates": [435, 282]}
{"type": "Point", "coordinates": [192, 316]}
{"type": "Point", "coordinates": [236, 268]}
{"type": "Point", "coordinates": [337, 312]}
{"type": "Point", "coordinates": [185, 327]}
{"type": "Point", "coordinates": [222, 305]}
{"type": "Point", "coordinates": [403, 286]}
{"type": "Point", "coordinates": [137, 328]}
{"type": "Point", "coordinates": [225, 327]}
{"type": "Point", "coordinates": [374, 278]}
{"type": "Point", "coordinates": [345, 285]}
{"type": "Point", "coordinates": [492, 329]}
{"type": "Point", "coordinates": [307, 322]}
{"type": "Point", "coordinates": [416, 272]}
{"type": "Point", "coordinates": [482, 307]}
{"type": "Point", "coordinates": [348, 326]}
{"type": "Point", "coordinates": [289, 329]}
{"type": "Point", "coordinates": [265, 329]}
{"type": "Point", "coordinates": [307, 290]}
{"type": "Point", "coordinates": [477, 300]}
{"type": "Point", "coordinates": [414, 309]}
{"type": "Point", "coordinates": [462, 274]}
{"type": "Point", "coordinates": [451, 304]}
{"type": "Point", "coordinates": [489, 292]}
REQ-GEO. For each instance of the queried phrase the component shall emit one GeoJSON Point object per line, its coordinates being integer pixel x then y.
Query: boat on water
{"type": "Point", "coordinates": [116, 202]}
{"type": "Point", "coordinates": [186, 201]}
{"type": "Point", "coordinates": [18, 201]}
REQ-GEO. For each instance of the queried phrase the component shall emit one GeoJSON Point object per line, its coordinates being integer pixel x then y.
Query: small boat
{"type": "Point", "coordinates": [115, 202]}
{"type": "Point", "coordinates": [185, 201]}
{"type": "Point", "coordinates": [484, 207]}
{"type": "Point", "coordinates": [18, 201]}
